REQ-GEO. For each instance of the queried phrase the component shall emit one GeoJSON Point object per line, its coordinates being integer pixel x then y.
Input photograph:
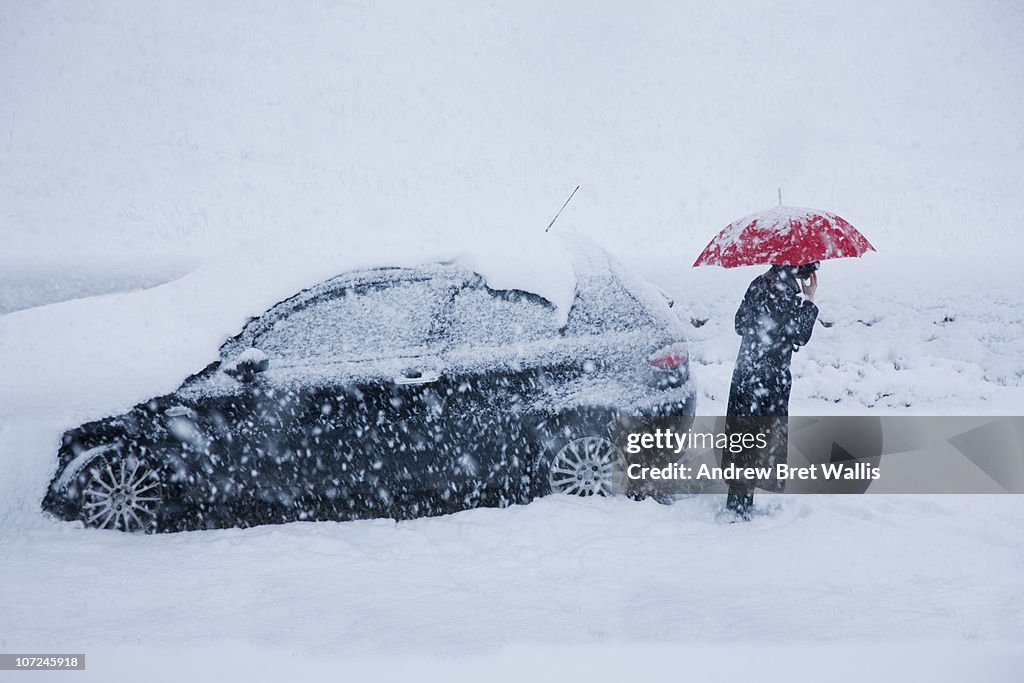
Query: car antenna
{"type": "Point", "coordinates": [560, 210]}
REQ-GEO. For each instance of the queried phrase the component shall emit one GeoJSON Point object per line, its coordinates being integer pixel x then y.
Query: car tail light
{"type": "Point", "coordinates": [671, 357]}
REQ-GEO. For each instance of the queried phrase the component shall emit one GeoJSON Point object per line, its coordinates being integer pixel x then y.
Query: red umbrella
{"type": "Point", "coordinates": [784, 235]}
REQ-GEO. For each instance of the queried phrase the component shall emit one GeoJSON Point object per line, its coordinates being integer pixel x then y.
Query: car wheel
{"type": "Point", "coordinates": [123, 493]}
{"type": "Point", "coordinates": [586, 466]}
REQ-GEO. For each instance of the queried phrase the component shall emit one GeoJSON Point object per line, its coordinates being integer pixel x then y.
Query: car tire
{"type": "Point", "coordinates": [579, 458]}
{"type": "Point", "coordinates": [122, 492]}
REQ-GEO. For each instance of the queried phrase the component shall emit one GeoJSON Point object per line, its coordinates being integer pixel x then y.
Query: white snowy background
{"type": "Point", "coordinates": [268, 144]}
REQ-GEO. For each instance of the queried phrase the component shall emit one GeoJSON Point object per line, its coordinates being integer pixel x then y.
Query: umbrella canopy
{"type": "Point", "coordinates": [785, 235]}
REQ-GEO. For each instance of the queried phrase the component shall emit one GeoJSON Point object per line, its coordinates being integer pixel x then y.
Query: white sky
{"type": "Point", "coordinates": [133, 129]}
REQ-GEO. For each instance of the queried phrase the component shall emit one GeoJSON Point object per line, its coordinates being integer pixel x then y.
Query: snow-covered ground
{"type": "Point", "coordinates": [563, 589]}
{"type": "Point", "coordinates": [27, 283]}
{"type": "Point", "coordinates": [921, 336]}
{"type": "Point", "coordinates": [141, 140]}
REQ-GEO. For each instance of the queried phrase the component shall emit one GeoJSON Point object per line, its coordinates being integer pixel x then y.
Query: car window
{"type": "Point", "coordinates": [357, 323]}
{"type": "Point", "coordinates": [480, 316]}
{"type": "Point", "coordinates": [603, 304]}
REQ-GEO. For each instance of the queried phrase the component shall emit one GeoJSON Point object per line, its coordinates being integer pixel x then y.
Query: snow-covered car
{"type": "Point", "coordinates": [389, 392]}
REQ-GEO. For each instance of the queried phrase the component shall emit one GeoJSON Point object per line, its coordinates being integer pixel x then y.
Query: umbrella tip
{"type": "Point", "coordinates": [780, 196]}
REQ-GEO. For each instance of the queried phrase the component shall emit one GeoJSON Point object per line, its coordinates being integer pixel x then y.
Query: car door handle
{"type": "Point", "coordinates": [417, 377]}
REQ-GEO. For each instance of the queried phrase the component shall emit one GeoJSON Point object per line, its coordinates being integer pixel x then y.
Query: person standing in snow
{"type": "Point", "coordinates": [775, 319]}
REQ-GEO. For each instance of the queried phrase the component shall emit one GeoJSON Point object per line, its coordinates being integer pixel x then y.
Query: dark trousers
{"type": "Point", "coordinates": [740, 500]}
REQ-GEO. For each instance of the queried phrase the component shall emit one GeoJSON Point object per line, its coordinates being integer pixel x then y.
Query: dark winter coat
{"type": "Point", "coordinates": [774, 321]}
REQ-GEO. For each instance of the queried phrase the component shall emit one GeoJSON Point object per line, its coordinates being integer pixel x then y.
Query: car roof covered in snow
{"type": "Point", "coordinates": [130, 346]}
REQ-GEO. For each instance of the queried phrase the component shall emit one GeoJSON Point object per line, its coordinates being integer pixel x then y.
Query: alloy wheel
{"type": "Point", "coordinates": [123, 494]}
{"type": "Point", "coordinates": [587, 466]}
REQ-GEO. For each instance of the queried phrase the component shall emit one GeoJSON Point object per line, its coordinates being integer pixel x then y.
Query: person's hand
{"type": "Point", "coordinates": [810, 286]}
